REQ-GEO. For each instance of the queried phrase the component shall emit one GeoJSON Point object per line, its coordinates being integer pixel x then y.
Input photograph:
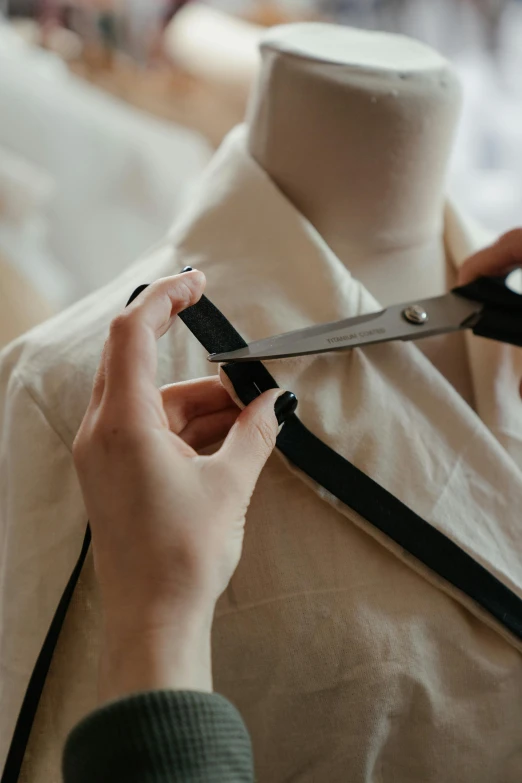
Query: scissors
{"type": "Point", "coordinates": [487, 306]}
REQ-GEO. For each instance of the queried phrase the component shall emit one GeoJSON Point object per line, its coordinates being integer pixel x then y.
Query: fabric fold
{"type": "Point", "coordinates": [338, 652]}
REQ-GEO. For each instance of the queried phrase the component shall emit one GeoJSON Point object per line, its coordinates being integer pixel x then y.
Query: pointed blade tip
{"type": "Point", "coordinates": [228, 356]}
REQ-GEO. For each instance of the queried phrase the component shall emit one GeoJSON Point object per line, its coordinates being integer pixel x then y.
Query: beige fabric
{"type": "Point", "coordinates": [21, 304]}
{"type": "Point", "coordinates": [348, 661]}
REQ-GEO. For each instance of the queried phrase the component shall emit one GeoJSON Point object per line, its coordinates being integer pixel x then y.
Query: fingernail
{"type": "Point", "coordinates": [284, 406]}
{"type": "Point", "coordinates": [186, 269]}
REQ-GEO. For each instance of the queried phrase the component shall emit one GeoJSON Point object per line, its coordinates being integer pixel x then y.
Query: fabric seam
{"type": "Point", "coordinates": [33, 397]}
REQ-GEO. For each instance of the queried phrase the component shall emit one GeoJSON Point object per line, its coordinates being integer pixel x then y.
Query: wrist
{"type": "Point", "coordinates": [154, 654]}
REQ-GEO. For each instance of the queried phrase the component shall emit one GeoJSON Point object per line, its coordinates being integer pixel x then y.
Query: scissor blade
{"type": "Point", "coordinates": [446, 313]}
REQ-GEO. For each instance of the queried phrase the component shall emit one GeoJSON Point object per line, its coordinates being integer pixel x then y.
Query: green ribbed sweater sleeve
{"type": "Point", "coordinates": [160, 737]}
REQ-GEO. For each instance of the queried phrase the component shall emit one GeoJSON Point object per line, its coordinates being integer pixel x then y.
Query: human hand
{"type": "Point", "coordinates": [497, 259]}
{"type": "Point", "coordinates": [167, 524]}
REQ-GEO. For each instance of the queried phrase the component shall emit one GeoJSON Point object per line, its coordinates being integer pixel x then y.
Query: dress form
{"type": "Point", "coordinates": [356, 129]}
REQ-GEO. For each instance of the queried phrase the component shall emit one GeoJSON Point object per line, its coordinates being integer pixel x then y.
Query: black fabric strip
{"type": "Point", "coordinates": [338, 476]}
{"type": "Point", "coordinates": [211, 328]}
{"type": "Point", "coordinates": [353, 487]}
{"type": "Point", "coordinates": [34, 690]}
{"type": "Point", "coordinates": [389, 515]}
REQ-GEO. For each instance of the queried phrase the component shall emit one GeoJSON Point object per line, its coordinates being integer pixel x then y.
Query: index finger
{"type": "Point", "coordinates": [497, 259]}
{"type": "Point", "coordinates": [131, 351]}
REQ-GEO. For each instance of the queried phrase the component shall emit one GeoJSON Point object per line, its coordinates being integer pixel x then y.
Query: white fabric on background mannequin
{"type": "Point", "coordinates": [346, 658]}
{"type": "Point", "coordinates": [120, 174]}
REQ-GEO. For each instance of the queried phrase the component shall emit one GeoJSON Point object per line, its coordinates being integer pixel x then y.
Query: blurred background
{"type": "Point", "coordinates": [109, 110]}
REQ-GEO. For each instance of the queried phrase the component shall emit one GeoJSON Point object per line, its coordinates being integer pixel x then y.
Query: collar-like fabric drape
{"type": "Point", "coordinates": [348, 660]}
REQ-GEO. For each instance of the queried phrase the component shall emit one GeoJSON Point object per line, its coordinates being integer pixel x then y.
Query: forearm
{"type": "Point", "coordinates": [158, 720]}
{"type": "Point", "coordinates": [143, 658]}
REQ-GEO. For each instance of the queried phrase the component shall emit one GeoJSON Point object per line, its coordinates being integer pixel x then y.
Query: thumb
{"type": "Point", "coordinates": [253, 435]}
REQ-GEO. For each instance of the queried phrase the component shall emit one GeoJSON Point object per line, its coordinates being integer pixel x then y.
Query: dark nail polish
{"type": "Point", "coordinates": [284, 406]}
{"type": "Point", "coordinates": [186, 269]}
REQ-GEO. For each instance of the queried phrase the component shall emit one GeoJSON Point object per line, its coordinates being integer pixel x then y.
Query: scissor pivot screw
{"type": "Point", "coordinates": [415, 314]}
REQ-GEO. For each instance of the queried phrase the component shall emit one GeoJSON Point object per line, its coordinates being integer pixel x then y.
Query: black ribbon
{"type": "Point", "coordinates": [338, 476]}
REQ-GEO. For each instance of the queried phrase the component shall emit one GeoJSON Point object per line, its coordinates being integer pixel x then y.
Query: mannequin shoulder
{"type": "Point", "coordinates": [54, 363]}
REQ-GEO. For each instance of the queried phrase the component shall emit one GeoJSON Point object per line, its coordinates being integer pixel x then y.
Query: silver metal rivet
{"type": "Point", "coordinates": [415, 314]}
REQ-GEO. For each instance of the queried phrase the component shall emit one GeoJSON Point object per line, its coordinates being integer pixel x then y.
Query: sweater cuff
{"type": "Point", "coordinates": [158, 736]}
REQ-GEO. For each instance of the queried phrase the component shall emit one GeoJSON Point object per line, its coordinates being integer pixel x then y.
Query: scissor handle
{"type": "Point", "coordinates": [501, 317]}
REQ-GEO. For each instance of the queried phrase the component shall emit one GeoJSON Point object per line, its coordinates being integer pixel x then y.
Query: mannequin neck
{"type": "Point", "coordinates": [360, 145]}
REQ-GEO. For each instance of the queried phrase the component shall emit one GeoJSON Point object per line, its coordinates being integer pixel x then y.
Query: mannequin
{"type": "Point", "coordinates": [347, 658]}
{"type": "Point", "coordinates": [28, 276]}
{"type": "Point", "coordinates": [356, 130]}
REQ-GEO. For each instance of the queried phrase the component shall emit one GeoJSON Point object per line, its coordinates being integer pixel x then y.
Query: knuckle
{"type": "Point", "coordinates": [155, 290]}
{"type": "Point", "coordinates": [184, 293]}
{"type": "Point", "coordinates": [120, 325]}
{"type": "Point", "coordinates": [78, 449]}
{"type": "Point", "coordinates": [82, 446]}
{"type": "Point", "coordinates": [512, 239]}
{"type": "Point", "coordinates": [265, 434]}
